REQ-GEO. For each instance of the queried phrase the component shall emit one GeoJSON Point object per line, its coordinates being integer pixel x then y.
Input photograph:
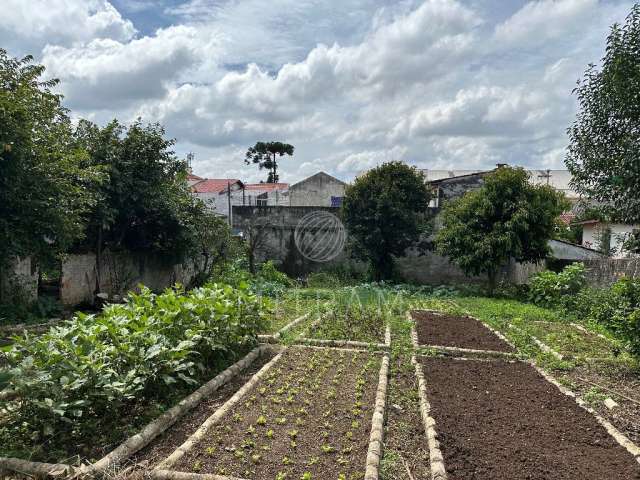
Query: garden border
{"type": "Point", "coordinates": [543, 346]}
{"type": "Point", "coordinates": [618, 436]}
{"type": "Point", "coordinates": [374, 453]}
{"type": "Point", "coordinates": [140, 439]}
{"type": "Point", "coordinates": [436, 460]}
{"type": "Point", "coordinates": [278, 335]}
{"type": "Point", "coordinates": [321, 342]}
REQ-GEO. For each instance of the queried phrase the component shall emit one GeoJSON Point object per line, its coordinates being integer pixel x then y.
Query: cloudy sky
{"type": "Point", "coordinates": [350, 83]}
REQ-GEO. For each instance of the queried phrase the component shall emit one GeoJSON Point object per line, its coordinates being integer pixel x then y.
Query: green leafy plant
{"type": "Point", "coordinates": [95, 367]}
{"type": "Point", "coordinates": [550, 289]}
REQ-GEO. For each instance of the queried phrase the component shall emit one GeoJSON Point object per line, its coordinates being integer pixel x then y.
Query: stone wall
{"type": "Point", "coordinates": [279, 243]}
{"type": "Point", "coordinates": [119, 272]}
{"type": "Point", "coordinates": [604, 272]}
{"type": "Point", "coordinates": [19, 281]}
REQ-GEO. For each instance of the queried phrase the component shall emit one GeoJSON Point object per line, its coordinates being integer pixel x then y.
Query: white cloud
{"type": "Point", "coordinates": [437, 83]}
{"type": "Point", "coordinates": [28, 25]}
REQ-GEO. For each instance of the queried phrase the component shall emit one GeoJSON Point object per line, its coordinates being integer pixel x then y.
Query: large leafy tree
{"type": "Point", "coordinates": [604, 149]}
{"type": "Point", "coordinates": [266, 154]}
{"type": "Point", "coordinates": [45, 185]}
{"type": "Point", "coordinates": [507, 218]}
{"type": "Point", "coordinates": [145, 204]}
{"type": "Point", "coordinates": [385, 213]}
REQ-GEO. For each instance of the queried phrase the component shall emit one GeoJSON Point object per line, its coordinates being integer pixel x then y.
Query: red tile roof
{"type": "Point", "coordinates": [213, 185]}
{"type": "Point", "coordinates": [567, 217]}
{"type": "Point", "coordinates": [191, 176]}
{"type": "Point", "coordinates": [266, 186]}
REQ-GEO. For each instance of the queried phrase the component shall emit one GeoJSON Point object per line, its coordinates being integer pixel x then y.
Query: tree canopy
{"type": "Point", "coordinates": [507, 218]}
{"type": "Point", "coordinates": [604, 149]}
{"type": "Point", "coordinates": [265, 155]}
{"type": "Point", "coordinates": [45, 184]}
{"type": "Point", "coordinates": [385, 213]}
{"type": "Point", "coordinates": [145, 204]}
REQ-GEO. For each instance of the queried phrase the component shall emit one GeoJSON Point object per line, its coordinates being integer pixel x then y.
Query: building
{"type": "Point", "coordinates": [214, 193]}
{"type": "Point", "coordinates": [608, 237]}
{"type": "Point", "coordinates": [265, 194]}
{"type": "Point", "coordinates": [319, 190]}
{"type": "Point", "coordinates": [450, 184]}
{"type": "Point", "coordinates": [193, 179]}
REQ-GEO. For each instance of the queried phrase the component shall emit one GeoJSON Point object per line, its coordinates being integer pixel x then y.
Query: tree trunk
{"type": "Point", "coordinates": [492, 275]}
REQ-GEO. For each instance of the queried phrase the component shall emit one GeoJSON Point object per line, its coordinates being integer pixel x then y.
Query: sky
{"type": "Point", "coordinates": [440, 84]}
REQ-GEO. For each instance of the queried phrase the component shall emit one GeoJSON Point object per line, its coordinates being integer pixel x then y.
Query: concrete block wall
{"type": "Point", "coordinates": [19, 281]}
{"type": "Point", "coordinates": [604, 272]}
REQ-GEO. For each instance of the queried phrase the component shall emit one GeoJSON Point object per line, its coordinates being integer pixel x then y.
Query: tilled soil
{"type": "Point", "coordinates": [176, 435]}
{"type": "Point", "coordinates": [502, 420]}
{"type": "Point", "coordinates": [311, 413]}
{"type": "Point", "coordinates": [454, 331]}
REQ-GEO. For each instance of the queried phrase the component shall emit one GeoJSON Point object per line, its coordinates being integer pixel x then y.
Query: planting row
{"type": "Point", "coordinates": [309, 417]}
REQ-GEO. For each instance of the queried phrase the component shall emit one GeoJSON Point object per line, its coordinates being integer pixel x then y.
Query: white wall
{"type": "Point", "coordinates": [592, 233]}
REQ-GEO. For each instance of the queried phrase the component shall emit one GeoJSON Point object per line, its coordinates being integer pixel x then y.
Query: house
{"type": "Point", "coordinates": [451, 184]}
{"type": "Point", "coordinates": [193, 179]}
{"type": "Point", "coordinates": [265, 194]}
{"type": "Point", "coordinates": [215, 192]}
{"type": "Point", "coordinates": [319, 190]}
{"type": "Point", "coordinates": [608, 237]}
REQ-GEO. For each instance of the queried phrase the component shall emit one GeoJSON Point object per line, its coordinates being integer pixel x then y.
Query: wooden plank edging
{"type": "Point", "coordinates": [168, 418]}
{"type": "Point", "coordinates": [618, 436]}
{"type": "Point", "coordinates": [199, 434]}
{"type": "Point", "coordinates": [374, 453]}
{"type": "Point", "coordinates": [436, 461]}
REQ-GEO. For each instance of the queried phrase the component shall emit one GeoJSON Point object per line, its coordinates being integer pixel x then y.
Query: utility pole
{"type": "Point", "coordinates": [229, 204]}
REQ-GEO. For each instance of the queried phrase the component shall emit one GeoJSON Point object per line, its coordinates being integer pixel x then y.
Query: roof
{"type": "Point", "coordinates": [319, 174]}
{"type": "Point", "coordinates": [567, 217]}
{"type": "Point", "coordinates": [266, 187]}
{"type": "Point", "coordinates": [471, 174]}
{"type": "Point", "coordinates": [191, 176]}
{"type": "Point", "coordinates": [563, 250]}
{"type": "Point", "coordinates": [432, 175]}
{"type": "Point", "coordinates": [214, 185]}
{"type": "Point", "coordinates": [587, 222]}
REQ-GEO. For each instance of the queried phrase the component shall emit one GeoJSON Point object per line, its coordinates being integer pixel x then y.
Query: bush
{"type": "Point", "coordinates": [93, 368]}
{"type": "Point", "coordinates": [550, 289]}
{"type": "Point", "coordinates": [619, 311]}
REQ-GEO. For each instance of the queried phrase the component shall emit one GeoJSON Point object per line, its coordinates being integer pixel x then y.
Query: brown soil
{"type": "Point", "coordinates": [303, 416]}
{"type": "Point", "coordinates": [596, 382]}
{"type": "Point", "coordinates": [176, 435]}
{"type": "Point", "coordinates": [453, 331]}
{"type": "Point", "coordinates": [502, 420]}
{"type": "Point", "coordinates": [405, 445]}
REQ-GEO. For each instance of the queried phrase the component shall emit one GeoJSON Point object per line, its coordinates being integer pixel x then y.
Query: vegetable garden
{"type": "Point", "coordinates": [222, 383]}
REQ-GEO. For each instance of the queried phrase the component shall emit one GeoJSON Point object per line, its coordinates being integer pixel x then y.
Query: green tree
{"type": "Point", "coordinates": [604, 149]}
{"type": "Point", "coordinates": [385, 212]}
{"type": "Point", "coordinates": [145, 204]}
{"type": "Point", "coordinates": [265, 155]}
{"type": "Point", "coordinates": [45, 185]}
{"type": "Point", "coordinates": [507, 218]}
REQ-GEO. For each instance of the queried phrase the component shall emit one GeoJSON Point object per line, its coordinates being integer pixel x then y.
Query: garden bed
{"type": "Point", "coordinates": [441, 329]}
{"type": "Point", "coordinates": [567, 340]}
{"type": "Point", "coordinates": [498, 419]}
{"type": "Point", "coordinates": [355, 326]}
{"type": "Point", "coordinates": [308, 416]}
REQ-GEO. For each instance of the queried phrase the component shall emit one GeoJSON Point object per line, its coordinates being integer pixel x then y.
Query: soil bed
{"type": "Point", "coordinates": [162, 446]}
{"type": "Point", "coordinates": [454, 331]}
{"type": "Point", "coordinates": [499, 419]}
{"type": "Point", "coordinates": [594, 383]}
{"type": "Point", "coordinates": [311, 413]}
{"type": "Point", "coordinates": [351, 325]}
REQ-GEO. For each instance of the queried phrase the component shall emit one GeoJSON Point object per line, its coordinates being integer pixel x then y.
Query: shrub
{"type": "Point", "coordinates": [550, 289]}
{"type": "Point", "coordinates": [619, 311]}
{"type": "Point", "coordinates": [96, 367]}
